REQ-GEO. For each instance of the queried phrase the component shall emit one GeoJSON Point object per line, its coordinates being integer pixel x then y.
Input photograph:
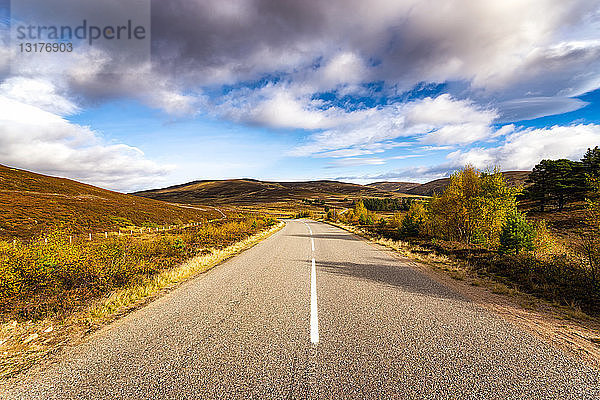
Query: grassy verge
{"type": "Point", "coordinates": [26, 342]}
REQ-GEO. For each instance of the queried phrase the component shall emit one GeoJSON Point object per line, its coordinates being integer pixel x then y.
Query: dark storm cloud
{"type": "Point", "coordinates": [492, 46]}
{"type": "Point", "coordinates": [307, 47]}
{"type": "Point", "coordinates": [403, 43]}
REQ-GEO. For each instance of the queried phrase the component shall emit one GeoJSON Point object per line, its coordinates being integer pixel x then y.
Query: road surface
{"type": "Point", "coordinates": [268, 324]}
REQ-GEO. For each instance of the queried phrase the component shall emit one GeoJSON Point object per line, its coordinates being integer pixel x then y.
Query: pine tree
{"type": "Point", "coordinates": [591, 161]}
{"type": "Point", "coordinates": [591, 167]}
{"type": "Point", "coordinates": [517, 234]}
{"type": "Point", "coordinates": [556, 181]}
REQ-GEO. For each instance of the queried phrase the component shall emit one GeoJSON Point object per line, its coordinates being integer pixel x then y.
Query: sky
{"type": "Point", "coordinates": [398, 90]}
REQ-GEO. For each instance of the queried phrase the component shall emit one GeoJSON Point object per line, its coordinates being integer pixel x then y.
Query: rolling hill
{"type": "Point", "coordinates": [251, 192]}
{"type": "Point", "coordinates": [32, 203]}
{"type": "Point", "coordinates": [514, 178]}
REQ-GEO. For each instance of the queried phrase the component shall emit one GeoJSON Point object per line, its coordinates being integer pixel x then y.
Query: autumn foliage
{"type": "Point", "coordinates": [51, 274]}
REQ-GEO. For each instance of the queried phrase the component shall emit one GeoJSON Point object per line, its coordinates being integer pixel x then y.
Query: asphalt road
{"type": "Point", "coordinates": [248, 330]}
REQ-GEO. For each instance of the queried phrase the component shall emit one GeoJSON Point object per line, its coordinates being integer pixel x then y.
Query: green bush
{"type": "Point", "coordinates": [517, 234]}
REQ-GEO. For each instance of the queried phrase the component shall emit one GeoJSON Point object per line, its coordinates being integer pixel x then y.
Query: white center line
{"type": "Point", "coordinates": [314, 316]}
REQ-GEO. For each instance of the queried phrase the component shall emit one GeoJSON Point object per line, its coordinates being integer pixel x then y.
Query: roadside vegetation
{"type": "Point", "coordinates": [386, 204]}
{"type": "Point", "coordinates": [53, 275]}
{"type": "Point", "coordinates": [486, 224]}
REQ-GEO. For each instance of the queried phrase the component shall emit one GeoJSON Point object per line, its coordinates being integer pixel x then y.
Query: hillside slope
{"type": "Point", "coordinates": [32, 203]}
{"type": "Point", "coordinates": [514, 178]}
{"type": "Point", "coordinates": [250, 191]}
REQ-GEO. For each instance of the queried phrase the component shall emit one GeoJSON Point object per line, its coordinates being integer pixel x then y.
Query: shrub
{"type": "Point", "coordinates": [271, 221]}
{"type": "Point", "coordinates": [412, 222]}
{"type": "Point", "coordinates": [360, 215]}
{"type": "Point", "coordinates": [517, 234]}
{"type": "Point", "coordinates": [544, 242]}
{"type": "Point", "coordinates": [51, 273]}
{"type": "Point", "coordinates": [589, 244]}
{"type": "Point", "coordinates": [304, 214]}
{"type": "Point", "coordinates": [396, 220]}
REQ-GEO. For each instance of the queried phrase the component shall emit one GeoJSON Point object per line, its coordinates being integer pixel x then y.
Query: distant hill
{"type": "Point", "coordinates": [514, 178]}
{"type": "Point", "coordinates": [31, 203]}
{"type": "Point", "coordinates": [250, 191]}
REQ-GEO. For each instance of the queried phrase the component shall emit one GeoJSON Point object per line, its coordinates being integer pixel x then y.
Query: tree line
{"type": "Point", "coordinates": [385, 204]}
{"type": "Point", "coordinates": [559, 182]}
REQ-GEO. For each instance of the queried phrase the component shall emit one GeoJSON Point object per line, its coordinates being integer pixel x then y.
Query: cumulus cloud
{"type": "Point", "coordinates": [522, 150]}
{"type": "Point", "coordinates": [339, 45]}
{"type": "Point", "coordinates": [412, 41]}
{"type": "Point", "coordinates": [440, 120]}
{"type": "Point", "coordinates": [39, 93]}
{"type": "Point", "coordinates": [38, 140]}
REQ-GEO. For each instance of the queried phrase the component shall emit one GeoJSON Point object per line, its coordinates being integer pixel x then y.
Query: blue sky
{"type": "Point", "coordinates": [296, 90]}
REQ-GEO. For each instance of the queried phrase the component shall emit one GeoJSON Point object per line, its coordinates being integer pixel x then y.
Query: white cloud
{"type": "Point", "coordinates": [440, 120]}
{"type": "Point", "coordinates": [39, 93]}
{"type": "Point", "coordinates": [536, 107]}
{"type": "Point", "coordinates": [346, 68]}
{"type": "Point", "coordinates": [507, 48]}
{"type": "Point", "coordinates": [419, 174]}
{"type": "Point", "coordinates": [436, 148]}
{"type": "Point", "coordinates": [450, 121]}
{"type": "Point", "coordinates": [364, 149]}
{"type": "Point", "coordinates": [563, 69]}
{"type": "Point", "coordinates": [522, 150]}
{"type": "Point", "coordinates": [407, 156]}
{"type": "Point", "coordinates": [38, 140]}
{"type": "Point", "coordinates": [284, 111]}
{"type": "Point", "coordinates": [443, 110]}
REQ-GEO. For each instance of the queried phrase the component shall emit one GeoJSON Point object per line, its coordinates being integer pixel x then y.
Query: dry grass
{"type": "Point", "coordinates": [52, 275]}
